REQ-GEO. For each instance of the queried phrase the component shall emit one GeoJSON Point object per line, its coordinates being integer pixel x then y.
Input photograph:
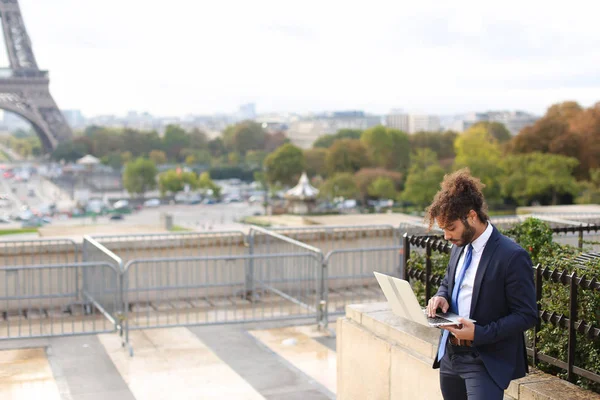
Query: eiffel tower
{"type": "Point", "coordinates": [24, 88]}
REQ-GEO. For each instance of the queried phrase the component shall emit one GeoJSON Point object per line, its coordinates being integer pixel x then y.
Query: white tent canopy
{"type": "Point", "coordinates": [303, 190]}
{"type": "Point", "coordinates": [88, 160]}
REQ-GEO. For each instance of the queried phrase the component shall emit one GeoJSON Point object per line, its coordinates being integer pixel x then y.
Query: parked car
{"type": "Point", "coordinates": [117, 217]}
{"type": "Point", "coordinates": [34, 222]}
{"type": "Point", "coordinates": [152, 203]}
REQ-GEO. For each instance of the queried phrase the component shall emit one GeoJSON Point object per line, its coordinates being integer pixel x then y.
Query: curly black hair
{"type": "Point", "coordinates": [460, 193]}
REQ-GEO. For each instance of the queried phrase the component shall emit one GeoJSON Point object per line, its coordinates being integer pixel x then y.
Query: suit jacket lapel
{"type": "Point", "coordinates": [488, 252]}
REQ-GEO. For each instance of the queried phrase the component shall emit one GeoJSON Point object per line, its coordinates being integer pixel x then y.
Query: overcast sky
{"type": "Point", "coordinates": [203, 56]}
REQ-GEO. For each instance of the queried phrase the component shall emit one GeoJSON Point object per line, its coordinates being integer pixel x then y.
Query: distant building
{"type": "Point", "coordinates": [423, 123]}
{"type": "Point", "coordinates": [247, 111]}
{"type": "Point", "coordinates": [514, 121]}
{"type": "Point", "coordinates": [397, 119]}
{"type": "Point", "coordinates": [74, 118]}
{"type": "Point", "coordinates": [412, 123]}
{"type": "Point", "coordinates": [304, 132]}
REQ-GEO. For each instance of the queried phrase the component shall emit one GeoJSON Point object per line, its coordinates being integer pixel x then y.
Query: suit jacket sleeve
{"type": "Point", "coordinates": [520, 297]}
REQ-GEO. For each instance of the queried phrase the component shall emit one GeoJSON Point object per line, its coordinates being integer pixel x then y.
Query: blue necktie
{"type": "Point", "coordinates": [454, 300]}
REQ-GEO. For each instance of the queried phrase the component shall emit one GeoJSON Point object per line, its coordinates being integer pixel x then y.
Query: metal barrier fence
{"type": "Point", "coordinates": [265, 242]}
{"type": "Point", "coordinates": [212, 290]}
{"type": "Point", "coordinates": [38, 251]}
{"type": "Point", "coordinates": [184, 244]}
{"type": "Point", "coordinates": [58, 299]}
{"type": "Point", "coordinates": [335, 237]}
{"type": "Point", "coordinates": [349, 275]}
{"type": "Point", "coordinates": [92, 250]}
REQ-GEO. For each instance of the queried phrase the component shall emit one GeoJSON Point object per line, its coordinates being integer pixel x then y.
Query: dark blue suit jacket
{"type": "Point", "coordinates": [503, 304]}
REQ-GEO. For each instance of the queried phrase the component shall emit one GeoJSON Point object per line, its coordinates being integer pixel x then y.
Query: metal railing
{"type": "Point", "coordinates": [578, 236]}
{"type": "Point", "coordinates": [335, 237]}
{"type": "Point", "coordinates": [211, 290]}
{"type": "Point", "coordinates": [58, 299]}
{"type": "Point", "coordinates": [262, 241]}
{"type": "Point", "coordinates": [38, 251]}
{"type": "Point", "coordinates": [570, 323]}
{"type": "Point", "coordinates": [184, 244]}
{"type": "Point", "coordinates": [349, 277]}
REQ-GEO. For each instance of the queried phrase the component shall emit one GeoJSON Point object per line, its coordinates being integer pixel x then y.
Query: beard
{"type": "Point", "coordinates": [467, 235]}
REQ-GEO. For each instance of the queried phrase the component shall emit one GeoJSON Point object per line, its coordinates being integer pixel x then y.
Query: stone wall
{"type": "Point", "coordinates": [384, 357]}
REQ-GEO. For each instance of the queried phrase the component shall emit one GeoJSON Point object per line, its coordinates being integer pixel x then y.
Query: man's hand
{"type": "Point", "coordinates": [467, 332]}
{"type": "Point", "coordinates": [437, 302]}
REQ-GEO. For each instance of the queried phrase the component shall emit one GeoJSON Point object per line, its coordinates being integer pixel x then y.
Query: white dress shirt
{"type": "Point", "coordinates": [466, 290]}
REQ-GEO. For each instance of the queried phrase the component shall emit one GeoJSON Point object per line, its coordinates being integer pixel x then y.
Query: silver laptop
{"type": "Point", "coordinates": [404, 303]}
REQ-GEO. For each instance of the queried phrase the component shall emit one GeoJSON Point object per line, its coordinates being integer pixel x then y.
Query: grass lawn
{"type": "Point", "coordinates": [255, 221]}
{"type": "Point", "coordinates": [177, 228]}
{"type": "Point", "coordinates": [16, 231]}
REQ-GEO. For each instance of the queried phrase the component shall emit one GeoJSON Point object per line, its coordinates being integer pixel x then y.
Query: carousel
{"type": "Point", "coordinates": [302, 198]}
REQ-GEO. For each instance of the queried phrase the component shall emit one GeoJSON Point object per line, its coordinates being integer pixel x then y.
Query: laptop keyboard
{"type": "Point", "coordinates": [437, 320]}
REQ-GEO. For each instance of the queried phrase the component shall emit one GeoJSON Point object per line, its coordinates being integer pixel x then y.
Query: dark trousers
{"type": "Point", "coordinates": [463, 376]}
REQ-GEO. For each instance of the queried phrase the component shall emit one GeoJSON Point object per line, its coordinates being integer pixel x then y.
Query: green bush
{"type": "Point", "coordinates": [439, 262]}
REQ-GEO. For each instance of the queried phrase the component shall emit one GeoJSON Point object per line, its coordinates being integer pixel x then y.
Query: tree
{"type": "Point", "coordinates": [69, 151]}
{"type": "Point", "coordinates": [174, 180]}
{"type": "Point", "coordinates": [538, 176]}
{"type": "Point", "coordinates": [326, 141]}
{"type": "Point", "coordinates": [190, 159]}
{"type": "Point", "coordinates": [480, 152]}
{"type": "Point", "coordinates": [255, 158]}
{"type": "Point", "coordinates": [234, 158]}
{"type": "Point", "coordinates": [346, 155]}
{"type": "Point", "coordinates": [496, 129]}
{"type": "Point", "coordinates": [585, 126]}
{"type": "Point", "coordinates": [216, 147]}
{"type": "Point", "coordinates": [198, 139]}
{"type": "Point", "coordinates": [158, 157]}
{"type": "Point", "coordinates": [285, 164]}
{"type": "Point", "coordinates": [126, 157]}
{"type": "Point", "coordinates": [399, 158]}
{"type": "Point", "coordinates": [387, 148]}
{"type": "Point", "coordinates": [441, 143]}
{"type": "Point", "coordinates": [105, 141]}
{"type": "Point", "coordinates": [339, 185]}
{"type": "Point", "coordinates": [315, 162]}
{"type": "Point", "coordinates": [134, 142]}
{"type": "Point", "coordinates": [378, 143]}
{"type": "Point", "coordinates": [202, 157]}
{"type": "Point", "coordinates": [113, 160]}
{"type": "Point", "coordinates": [275, 140]}
{"type": "Point", "coordinates": [174, 141]}
{"type": "Point", "coordinates": [590, 193]}
{"type": "Point", "coordinates": [424, 177]}
{"type": "Point", "coordinates": [365, 176]}
{"type": "Point", "coordinates": [382, 188]}
{"type": "Point", "coordinates": [204, 182]}
{"type": "Point", "coordinates": [558, 132]}
{"type": "Point", "coordinates": [139, 176]}
{"type": "Point", "coordinates": [245, 136]}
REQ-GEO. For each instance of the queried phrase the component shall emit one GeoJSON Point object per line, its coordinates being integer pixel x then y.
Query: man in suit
{"type": "Point", "coordinates": [489, 279]}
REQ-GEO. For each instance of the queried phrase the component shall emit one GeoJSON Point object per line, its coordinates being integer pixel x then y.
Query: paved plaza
{"type": "Point", "coordinates": [266, 361]}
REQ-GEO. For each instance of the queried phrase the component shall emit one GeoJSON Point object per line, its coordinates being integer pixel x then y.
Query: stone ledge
{"type": "Point", "coordinates": [540, 386]}
{"type": "Point", "coordinates": [408, 339]}
{"type": "Point", "coordinates": [379, 319]}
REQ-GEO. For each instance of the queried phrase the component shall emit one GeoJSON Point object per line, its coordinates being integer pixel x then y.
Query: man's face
{"type": "Point", "coordinates": [459, 232]}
